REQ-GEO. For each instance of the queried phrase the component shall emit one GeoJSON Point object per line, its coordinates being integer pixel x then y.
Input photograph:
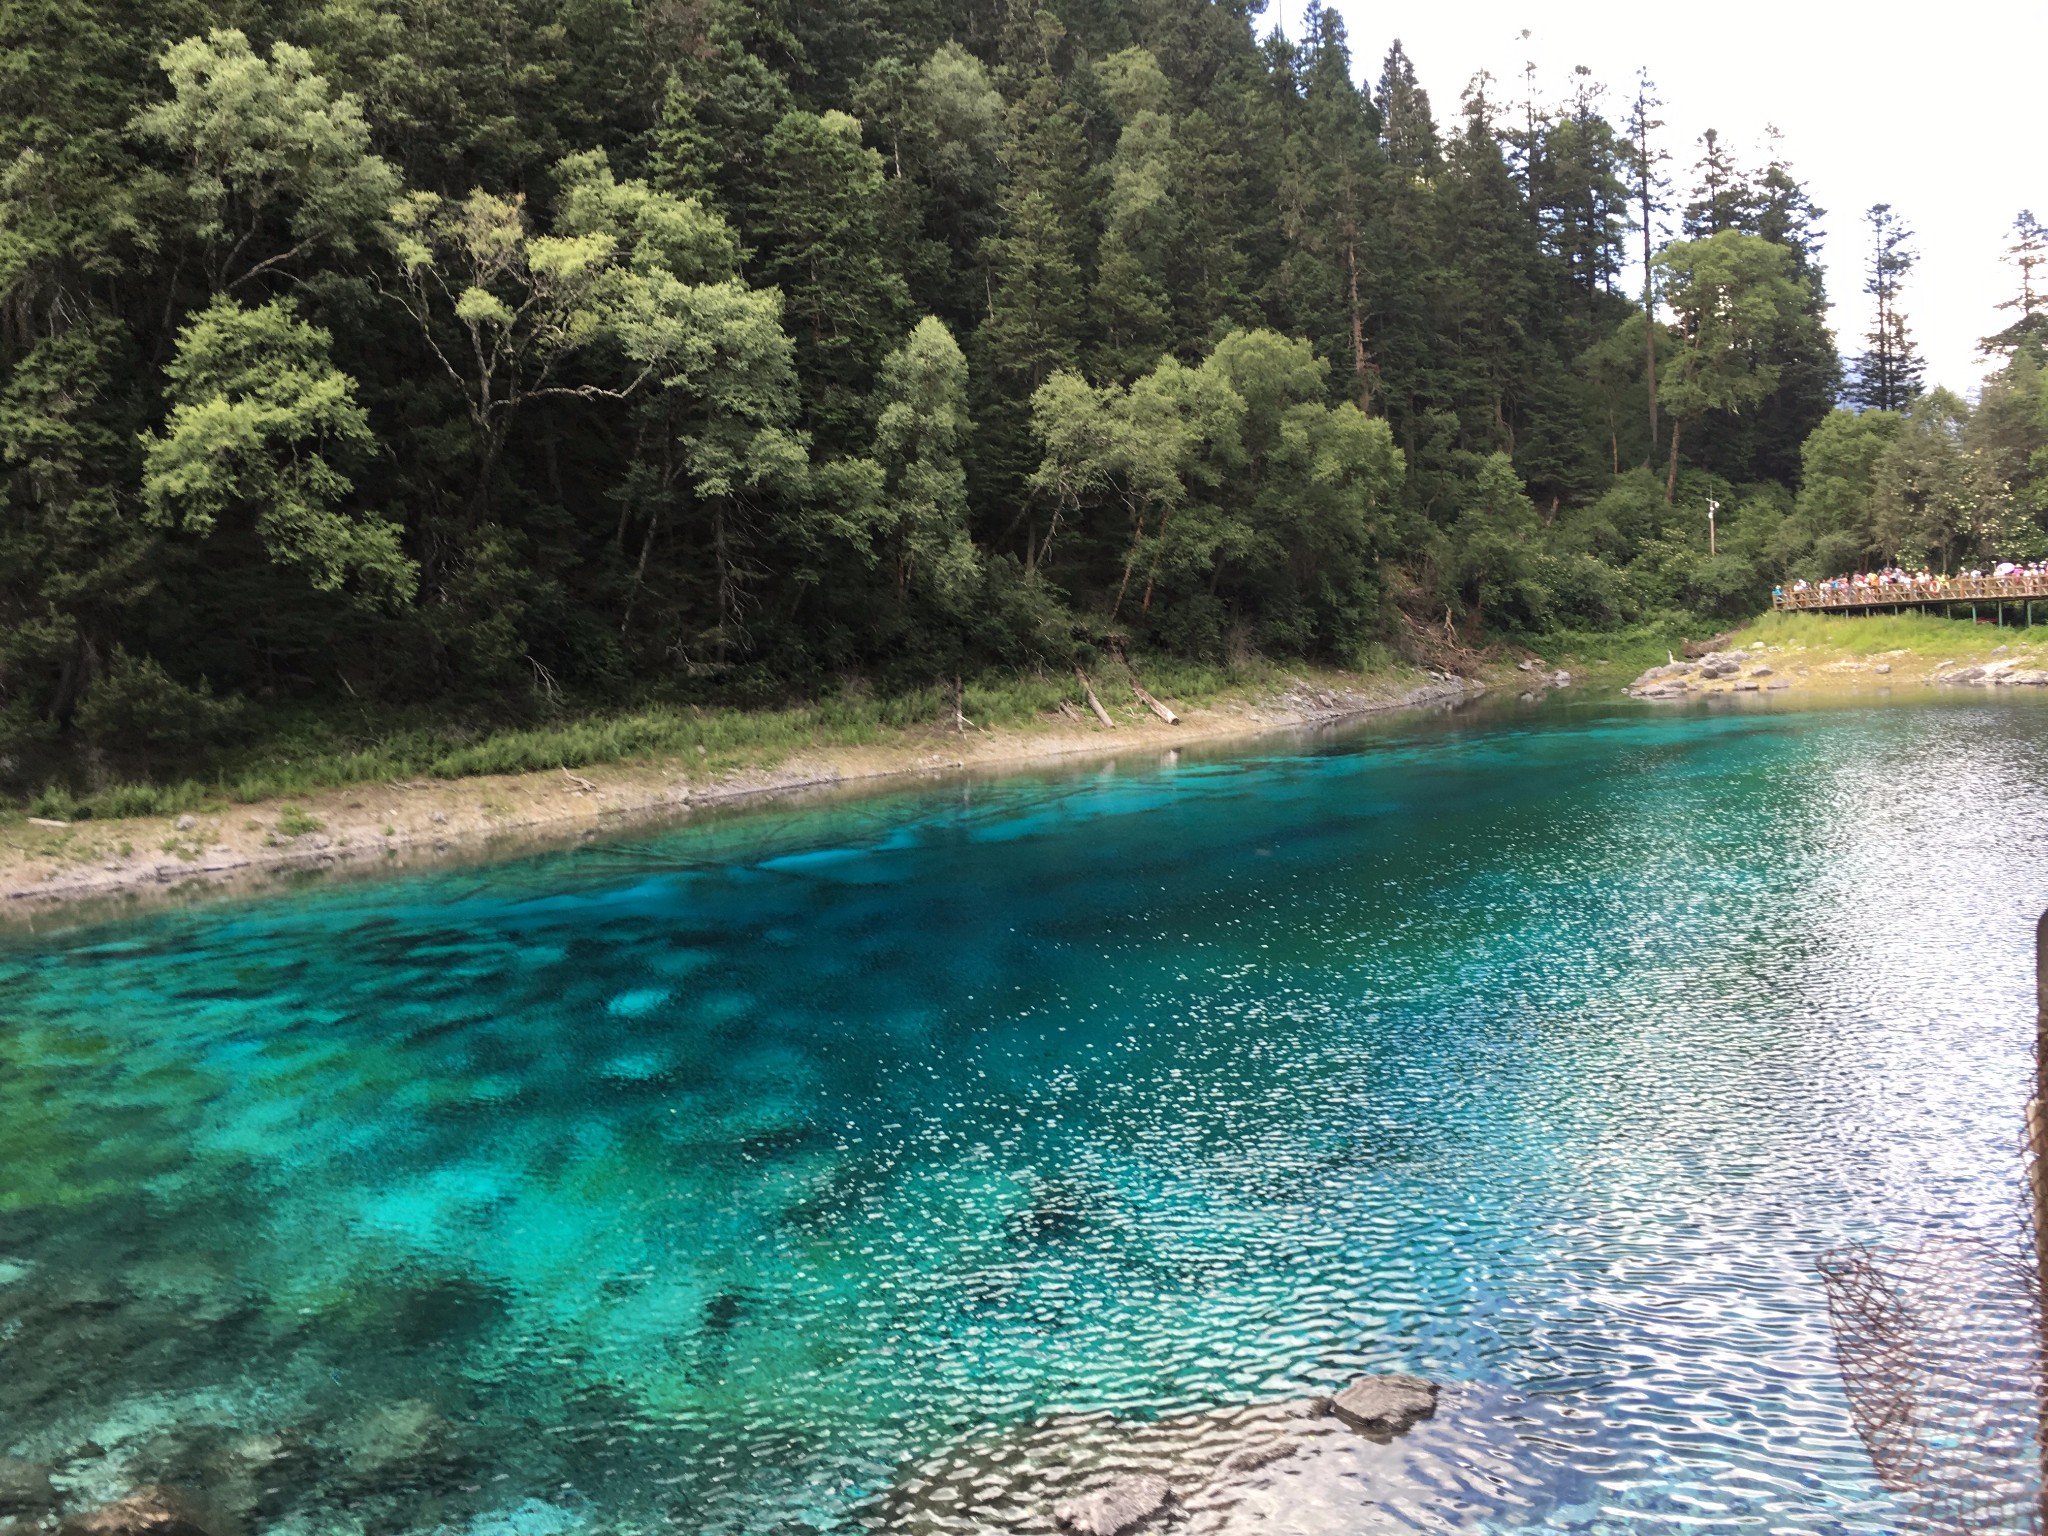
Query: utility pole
{"type": "Point", "coordinates": [1713, 506]}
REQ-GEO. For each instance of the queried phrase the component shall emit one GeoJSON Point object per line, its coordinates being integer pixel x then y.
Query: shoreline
{"type": "Point", "coordinates": [53, 868]}
{"type": "Point", "coordinates": [1806, 656]}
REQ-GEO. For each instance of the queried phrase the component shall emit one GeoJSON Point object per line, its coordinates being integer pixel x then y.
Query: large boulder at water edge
{"type": "Point", "coordinates": [150, 1511]}
{"type": "Point", "coordinates": [25, 1487]}
{"type": "Point", "coordinates": [1385, 1405]}
{"type": "Point", "coordinates": [1123, 1505]}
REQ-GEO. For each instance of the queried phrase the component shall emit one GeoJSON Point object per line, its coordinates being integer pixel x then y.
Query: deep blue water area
{"type": "Point", "coordinates": [874, 1163]}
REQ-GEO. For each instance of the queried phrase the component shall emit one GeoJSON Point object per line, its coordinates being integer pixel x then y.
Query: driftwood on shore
{"type": "Point", "coordinates": [1093, 702]}
{"type": "Point", "coordinates": [1154, 705]}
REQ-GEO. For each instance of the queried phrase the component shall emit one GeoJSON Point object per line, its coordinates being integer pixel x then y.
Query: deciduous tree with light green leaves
{"type": "Point", "coordinates": [1733, 298]}
{"type": "Point", "coordinates": [276, 165]}
{"type": "Point", "coordinates": [260, 424]}
{"type": "Point", "coordinates": [505, 309]}
{"type": "Point", "coordinates": [919, 432]}
{"type": "Point", "coordinates": [1839, 461]}
{"type": "Point", "coordinates": [1921, 508]}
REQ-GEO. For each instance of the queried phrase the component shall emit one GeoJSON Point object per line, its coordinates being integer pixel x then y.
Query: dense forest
{"type": "Point", "coordinates": [502, 357]}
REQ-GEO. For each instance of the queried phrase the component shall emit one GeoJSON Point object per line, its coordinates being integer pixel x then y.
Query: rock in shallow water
{"type": "Point", "coordinates": [1385, 1405]}
{"type": "Point", "coordinates": [148, 1511]}
{"type": "Point", "coordinates": [25, 1487]}
{"type": "Point", "coordinates": [1122, 1505]}
{"type": "Point", "coordinates": [397, 1443]}
{"type": "Point", "coordinates": [1256, 1458]}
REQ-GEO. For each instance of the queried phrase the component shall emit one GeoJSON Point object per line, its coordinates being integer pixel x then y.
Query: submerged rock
{"type": "Point", "coordinates": [255, 1475]}
{"type": "Point", "coordinates": [1256, 1458]}
{"type": "Point", "coordinates": [25, 1487]}
{"type": "Point", "coordinates": [1385, 1405]}
{"type": "Point", "coordinates": [150, 1511]}
{"type": "Point", "coordinates": [1122, 1505]}
{"type": "Point", "coordinates": [397, 1442]}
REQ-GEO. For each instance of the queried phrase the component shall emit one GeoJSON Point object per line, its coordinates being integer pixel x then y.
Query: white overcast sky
{"type": "Point", "coordinates": [1935, 109]}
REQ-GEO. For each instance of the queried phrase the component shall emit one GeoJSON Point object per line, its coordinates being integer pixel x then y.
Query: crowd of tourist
{"type": "Point", "coordinates": [2029, 579]}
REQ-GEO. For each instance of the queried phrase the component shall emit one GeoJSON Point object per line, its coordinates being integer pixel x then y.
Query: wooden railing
{"type": "Point", "coordinates": [1943, 589]}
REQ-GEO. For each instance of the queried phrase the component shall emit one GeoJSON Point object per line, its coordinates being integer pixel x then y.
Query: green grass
{"type": "Point", "coordinates": [293, 821]}
{"type": "Point", "coordinates": [299, 756]}
{"type": "Point", "coordinates": [1627, 650]}
{"type": "Point", "coordinates": [1872, 634]}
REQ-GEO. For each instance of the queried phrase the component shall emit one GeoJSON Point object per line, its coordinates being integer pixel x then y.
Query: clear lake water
{"type": "Point", "coordinates": [906, 1161]}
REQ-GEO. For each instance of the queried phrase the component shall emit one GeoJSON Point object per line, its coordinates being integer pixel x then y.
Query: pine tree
{"type": "Point", "coordinates": [1889, 372]}
{"type": "Point", "coordinates": [2028, 255]}
{"type": "Point", "coordinates": [1580, 202]}
{"type": "Point", "coordinates": [1407, 131]}
{"type": "Point", "coordinates": [1491, 290]}
{"type": "Point", "coordinates": [1723, 196]}
{"type": "Point", "coordinates": [1648, 185]}
{"type": "Point", "coordinates": [1333, 169]}
{"type": "Point", "coordinates": [817, 219]}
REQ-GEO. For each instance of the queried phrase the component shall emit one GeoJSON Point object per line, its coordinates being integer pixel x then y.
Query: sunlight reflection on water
{"type": "Point", "coordinates": [844, 1166]}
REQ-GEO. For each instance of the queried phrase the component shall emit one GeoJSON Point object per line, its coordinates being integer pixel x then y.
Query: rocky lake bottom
{"type": "Point", "coordinates": [918, 1161]}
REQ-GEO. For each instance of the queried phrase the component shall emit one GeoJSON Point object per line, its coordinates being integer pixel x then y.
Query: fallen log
{"type": "Point", "coordinates": [1093, 702]}
{"type": "Point", "coordinates": [1154, 705]}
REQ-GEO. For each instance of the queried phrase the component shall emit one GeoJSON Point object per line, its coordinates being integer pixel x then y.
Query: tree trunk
{"type": "Point", "coordinates": [639, 572]}
{"type": "Point", "coordinates": [1154, 705]}
{"type": "Point", "coordinates": [1361, 360]}
{"type": "Point", "coordinates": [1650, 374]}
{"type": "Point", "coordinates": [1093, 702]}
{"type": "Point", "coordinates": [1130, 561]}
{"type": "Point", "coordinates": [1671, 480]}
{"type": "Point", "coordinates": [1152, 575]}
{"type": "Point", "coordinates": [1649, 311]}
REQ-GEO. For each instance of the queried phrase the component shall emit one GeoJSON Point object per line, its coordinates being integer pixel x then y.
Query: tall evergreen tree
{"type": "Point", "coordinates": [1647, 185]}
{"type": "Point", "coordinates": [2028, 256]}
{"type": "Point", "coordinates": [1723, 196]}
{"type": "Point", "coordinates": [1407, 130]}
{"type": "Point", "coordinates": [1889, 371]}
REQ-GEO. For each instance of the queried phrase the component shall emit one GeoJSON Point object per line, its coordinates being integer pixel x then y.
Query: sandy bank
{"type": "Point", "coordinates": [409, 822]}
{"type": "Point", "coordinates": [1836, 656]}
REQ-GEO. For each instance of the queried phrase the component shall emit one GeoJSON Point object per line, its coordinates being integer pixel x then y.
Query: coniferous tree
{"type": "Point", "coordinates": [1723, 195]}
{"type": "Point", "coordinates": [2028, 256]}
{"type": "Point", "coordinates": [1647, 184]}
{"type": "Point", "coordinates": [1407, 130]}
{"type": "Point", "coordinates": [1888, 373]}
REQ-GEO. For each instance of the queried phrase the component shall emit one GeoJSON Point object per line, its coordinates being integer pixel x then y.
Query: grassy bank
{"type": "Point", "coordinates": [1929, 636]}
{"type": "Point", "coordinates": [423, 796]}
{"type": "Point", "coordinates": [291, 757]}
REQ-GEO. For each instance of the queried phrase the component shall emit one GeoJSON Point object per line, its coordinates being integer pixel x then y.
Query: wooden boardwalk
{"type": "Point", "coordinates": [1944, 592]}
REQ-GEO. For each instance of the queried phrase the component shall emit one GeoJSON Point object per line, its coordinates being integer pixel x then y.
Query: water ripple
{"type": "Point", "coordinates": [905, 1164]}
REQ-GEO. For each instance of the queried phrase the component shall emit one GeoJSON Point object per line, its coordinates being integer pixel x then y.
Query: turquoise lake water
{"type": "Point", "coordinates": [892, 1162]}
